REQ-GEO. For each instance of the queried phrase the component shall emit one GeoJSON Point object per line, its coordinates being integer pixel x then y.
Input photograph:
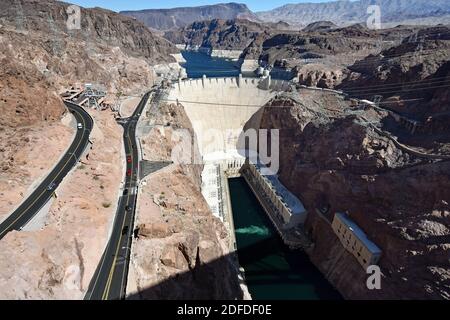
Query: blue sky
{"type": "Point", "coordinates": [120, 5]}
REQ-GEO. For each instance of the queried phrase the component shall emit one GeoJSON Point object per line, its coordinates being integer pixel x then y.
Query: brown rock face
{"type": "Point", "coordinates": [334, 159]}
{"type": "Point", "coordinates": [58, 259]}
{"type": "Point", "coordinates": [182, 251]}
{"type": "Point", "coordinates": [416, 70]}
{"type": "Point", "coordinates": [317, 75]}
{"type": "Point", "coordinates": [174, 257]}
{"type": "Point", "coordinates": [334, 47]}
{"type": "Point", "coordinates": [155, 230]}
{"type": "Point", "coordinates": [23, 164]}
{"type": "Point", "coordinates": [98, 27]}
{"type": "Point", "coordinates": [38, 57]}
{"type": "Point", "coordinates": [218, 34]}
{"type": "Point", "coordinates": [26, 97]}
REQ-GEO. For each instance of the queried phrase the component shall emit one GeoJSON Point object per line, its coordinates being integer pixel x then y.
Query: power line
{"type": "Point", "coordinates": [415, 81]}
{"type": "Point", "coordinates": [387, 49]}
{"type": "Point", "coordinates": [400, 87]}
{"type": "Point", "coordinates": [401, 55]}
{"type": "Point", "coordinates": [401, 91]}
{"type": "Point", "coordinates": [252, 106]}
{"type": "Point", "coordinates": [403, 84]}
{"type": "Point", "coordinates": [365, 62]}
{"type": "Point", "coordinates": [376, 58]}
{"type": "Point", "coordinates": [420, 38]}
{"type": "Point", "coordinates": [355, 64]}
{"type": "Point", "coordinates": [213, 103]}
{"type": "Point", "coordinates": [377, 89]}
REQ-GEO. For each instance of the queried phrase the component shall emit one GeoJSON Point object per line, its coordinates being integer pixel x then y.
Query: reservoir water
{"type": "Point", "coordinates": [272, 270]}
{"type": "Point", "coordinates": [199, 64]}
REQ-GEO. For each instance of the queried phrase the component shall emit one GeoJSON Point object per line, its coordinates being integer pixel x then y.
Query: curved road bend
{"type": "Point", "coordinates": [110, 278]}
{"type": "Point", "coordinates": [31, 206]}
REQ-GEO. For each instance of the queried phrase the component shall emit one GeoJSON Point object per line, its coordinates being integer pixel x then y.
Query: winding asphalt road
{"type": "Point", "coordinates": [31, 206]}
{"type": "Point", "coordinates": [110, 279]}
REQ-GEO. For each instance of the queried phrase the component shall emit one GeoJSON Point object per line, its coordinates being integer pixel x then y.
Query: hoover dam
{"type": "Point", "coordinates": [224, 107]}
{"type": "Point", "coordinates": [221, 111]}
{"type": "Point", "coordinates": [226, 114]}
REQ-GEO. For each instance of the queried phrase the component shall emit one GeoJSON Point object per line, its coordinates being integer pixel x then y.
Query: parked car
{"type": "Point", "coordinates": [129, 159]}
{"type": "Point", "coordinates": [125, 230]}
{"type": "Point", "coordinates": [125, 192]}
{"type": "Point", "coordinates": [129, 173]}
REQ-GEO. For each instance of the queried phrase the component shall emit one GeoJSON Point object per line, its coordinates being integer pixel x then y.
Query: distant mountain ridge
{"type": "Point", "coordinates": [351, 12]}
{"type": "Point", "coordinates": [167, 19]}
{"type": "Point", "coordinates": [219, 34]}
{"type": "Point", "coordinates": [341, 13]}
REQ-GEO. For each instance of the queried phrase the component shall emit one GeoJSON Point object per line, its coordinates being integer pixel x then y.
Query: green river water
{"type": "Point", "coordinates": [272, 270]}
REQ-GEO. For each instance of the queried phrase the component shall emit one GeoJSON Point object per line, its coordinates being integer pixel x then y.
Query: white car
{"type": "Point", "coordinates": [51, 186]}
{"type": "Point", "coordinates": [80, 126]}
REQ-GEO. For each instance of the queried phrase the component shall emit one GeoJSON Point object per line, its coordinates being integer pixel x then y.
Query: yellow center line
{"type": "Point", "coordinates": [123, 272]}
{"type": "Point", "coordinates": [42, 193]}
{"type": "Point", "coordinates": [128, 242]}
{"type": "Point", "coordinates": [113, 266]}
{"type": "Point", "coordinates": [101, 266]}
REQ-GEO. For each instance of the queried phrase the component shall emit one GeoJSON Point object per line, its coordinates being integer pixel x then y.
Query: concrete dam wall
{"type": "Point", "coordinates": [221, 111]}
{"type": "Point", "coordinates": [220, 108]}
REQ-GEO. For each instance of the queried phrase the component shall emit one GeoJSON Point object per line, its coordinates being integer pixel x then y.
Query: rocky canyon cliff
{"type": "Point", "coordinates": [39, 57]}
